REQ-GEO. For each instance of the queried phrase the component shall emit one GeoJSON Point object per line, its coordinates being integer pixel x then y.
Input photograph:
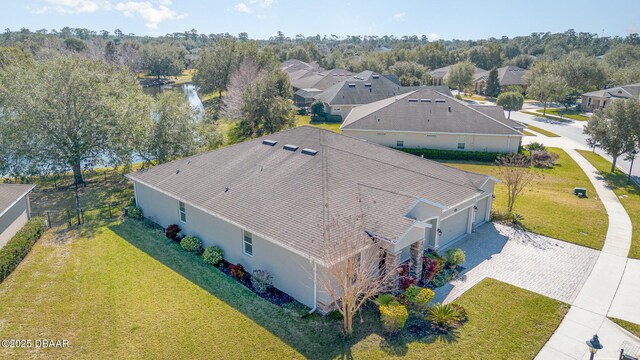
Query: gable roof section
{"type": "Point", "coordinates": [419, 111]}
{"type": "Point", "coordinates": [309, 204]}
{"type": "Point", "coordinates": [321, 79]}
{"type": "Point", "coordinates": [443, 72]}
{"type": "Point", "coordinates": [11, 193]}
{"type": "Point", "coordinates": [507, 75]}
{"type": "Point", "coordinates": [618, 92]}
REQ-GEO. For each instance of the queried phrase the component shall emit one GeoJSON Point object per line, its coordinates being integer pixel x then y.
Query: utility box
{"type": "Point", "coordinates": [580, 192]}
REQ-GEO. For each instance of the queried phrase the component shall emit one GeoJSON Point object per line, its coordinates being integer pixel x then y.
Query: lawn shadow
{"type": "Point", "coordinates": [417, 330]}
{"type": "Point", "coordinates": [315, 337]}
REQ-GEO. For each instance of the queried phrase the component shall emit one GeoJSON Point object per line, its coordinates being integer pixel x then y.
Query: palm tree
{"type": "Point", "coordinates": [443, 317]}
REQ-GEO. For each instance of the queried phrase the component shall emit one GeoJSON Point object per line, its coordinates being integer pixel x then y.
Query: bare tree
{"type": "Point", "coordinates": [247, 75]}
{"type": "Point", "coordinates": [515, 171]}
{"type": "Point", "coordinates": [353, 273]}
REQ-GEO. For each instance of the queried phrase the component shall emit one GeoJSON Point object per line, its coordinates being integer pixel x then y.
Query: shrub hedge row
{"type": "Point", "coordinates": [18, 247]}
{"type": "Point", "coordinates": [453, 154]}
{"type": "Point", "coordinates": [327, 118]}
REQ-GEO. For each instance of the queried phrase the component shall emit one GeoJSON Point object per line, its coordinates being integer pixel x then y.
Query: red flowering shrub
{"type": "Point", "coordinates": [172, 232]}
{"type": "Point", "coordinates": [237, 271]}
{"type": "Point", "coordinates": [406, 280]}
{"type": "Point", "coordinates": [431, 268]}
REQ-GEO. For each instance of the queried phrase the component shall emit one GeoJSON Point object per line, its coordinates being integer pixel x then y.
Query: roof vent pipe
{"type": "Point", "coordinates": [449, 108]}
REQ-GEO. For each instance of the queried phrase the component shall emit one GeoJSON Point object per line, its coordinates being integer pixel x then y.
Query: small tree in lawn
{"type": "Point", "coordinates": [317, 110]}
{"type": "Point", "coordinates": [353, 275]}
{"type": "Point", "coordinates": [510, 101]}
{"type": "Point", "coordinates": [615, 129]}
{"type": "Point", "coordinates": [493, 84]}
{"type": "Point", "coordinates": [570, 97]}
{"type": "Point", "coordinates": [546, 88]}
{"type": "Point", "coordinates": [461, 75]}
{"type": "Point", "coordinates": [516, 174]}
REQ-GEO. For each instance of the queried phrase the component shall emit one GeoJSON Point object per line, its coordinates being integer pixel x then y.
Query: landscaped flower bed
{"type": "Point", "coordinates": [438, 270]}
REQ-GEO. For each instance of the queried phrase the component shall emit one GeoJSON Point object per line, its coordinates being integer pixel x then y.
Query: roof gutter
{"type": "Point", "coordinates": [17, 201]}
{"type": "Point", "coordinates": [315, 287]}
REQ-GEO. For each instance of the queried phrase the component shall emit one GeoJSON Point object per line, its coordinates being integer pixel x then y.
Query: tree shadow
{"type": "Point", "coordinates": [417, 330]}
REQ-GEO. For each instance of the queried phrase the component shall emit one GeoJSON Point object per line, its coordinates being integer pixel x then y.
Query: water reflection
{"type": "Point", "coordinates": [189, 91]}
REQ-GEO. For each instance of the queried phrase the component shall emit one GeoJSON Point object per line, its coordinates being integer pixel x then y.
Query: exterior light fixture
{"type": "Point", "coordinates": [439, 232]}
{"type": "Point", "coordinates": [594, 345]}
{"type": "Point", "coordinates": [475, 208]}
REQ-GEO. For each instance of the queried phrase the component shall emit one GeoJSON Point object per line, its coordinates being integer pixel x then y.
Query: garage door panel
{"type": "Point", "coordinates": [454, 227]}
{"type": "Point", "coordinates": [482, 211]}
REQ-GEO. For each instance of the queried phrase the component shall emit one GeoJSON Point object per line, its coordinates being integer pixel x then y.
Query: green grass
{"type": "Point", "coordinates": [549, 206]}
{"type": "Point", "coordinates": [124, 290]}
{"type": "Point", "coordinates": [571, 114]}
{"type": "Point", "coordinates": [306, 120]}
{"type": "Point", "coordinates": [629, 326]}
{"type": "Point", "coordinates": [542, 131]}
{"type": "Point", "coordinates": [528, 133]}
{"type": "Point", "coordinates": [184, 78]}
{"type": "Point", "coordinates": [629, 195]}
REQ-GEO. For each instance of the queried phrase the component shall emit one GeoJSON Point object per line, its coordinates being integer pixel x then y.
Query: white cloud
{"type": "Point", "coordinates": [263, 3]}
{"type": "Point", "coordinates": [399, 16]}
{"type": "Point", "coordinates": [71, 6]}
{"type": "Point", "coordinates": [243, 8]}
{"type": "Point", "coordinates": [151, 14]}
{"type": "Point", "coordinates": [433, 37]}
{"type": "Point", "coordinates": [633, 29]}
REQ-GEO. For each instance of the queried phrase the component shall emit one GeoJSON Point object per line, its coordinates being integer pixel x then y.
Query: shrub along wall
{"type": "Point", "coordinates": [453, 154]}
{"type": "Point", "coordinates": [19, 246]}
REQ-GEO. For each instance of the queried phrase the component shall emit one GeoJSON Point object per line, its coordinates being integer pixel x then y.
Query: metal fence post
{"type": "Point", "coordinates": [82, 215]}
{"type": "Point", "coordinates": [109, 210]}
{"type": "Point", "coordinates": [49, 219]}
{"type": "Point", "coordinates": [68, 217]}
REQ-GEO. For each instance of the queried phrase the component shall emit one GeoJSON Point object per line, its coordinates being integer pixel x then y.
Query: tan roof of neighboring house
{"type": "Point", "coordinates": [507, 75]}
{"type": "Point", "coordinates": [10, 193]}
{"type": "Point", "coordinates": [308, 203]}
{"type": "Point", "coordinates": [443, 72]}
{"type": "Point", "coordinates": [621, 92]}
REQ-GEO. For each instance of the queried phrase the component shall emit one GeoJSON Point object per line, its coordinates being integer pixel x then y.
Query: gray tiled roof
{"type": "Point", "coordinates": [419, 110]}
{"type": "Point", "coordinates": [622, 92]}
{"type": "Point", "coordinates": [10, 193]}
{"type": "Point", "coordinates": [305, 202]}
{"type": "Point", "coordinates": [443, 72]}
{"type": "Point", "coordinates": [507, 75]}
{"type": "Point", "coordinates": [322, 79]}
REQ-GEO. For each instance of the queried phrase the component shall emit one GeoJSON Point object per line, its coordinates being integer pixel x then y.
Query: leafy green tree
{"type": "Point", "coordinates": [66, 111]}
{"type": "Point", "coordinates": [110, 52]}
{"type": "Point", "coordinates": [163, 60]}
{"type": "Point", "coordinates": [215, 66]}
{"type": "Point", "coordinates": [615, 129]}
{"type": "Point", "coordinates": [493, 84]}
{"type": "Point", "coordinates": [570, 97]}
{"type": "Point", "coordinates": [547, 88]}
{"type": "Point", "coordinates": [510, 101]}
{"type": "Point", "coordinates": [461, 75]}
{"type": "Point", "coordinates": [172, 134]}
{"type": "Point", "coordinates": [11, 55]}
{"type": "Point", "coordinates": [317, 109]}
{"type": "Point", "coordinates": [411, 73]}
{"type": "Point", "coordinates": [74, 44]}
{"type": "Point", "coordinates": [580, 72]}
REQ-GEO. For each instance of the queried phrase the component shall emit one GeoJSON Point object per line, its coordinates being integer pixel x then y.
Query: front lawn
{"type": "Point", "coordinates": [629, 195]}
{"type": "Point", "coordinates": [122, 290]}
{"type": "Point", "coordinates": [629, 326]}
{"type": "Point", "coordinates": [571, 114]}
{"type": "Point", "coordinates": [549, 206]}
{"type": "Point", "coordinates": [528, 133]}
{"type": "Point", "coordinates": [542, 131]}
{"type": "Point", "coordinates": [306, 120]}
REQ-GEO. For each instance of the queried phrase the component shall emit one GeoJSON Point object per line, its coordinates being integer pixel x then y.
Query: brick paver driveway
{"type": "Point", "coordinates": [547, 266]}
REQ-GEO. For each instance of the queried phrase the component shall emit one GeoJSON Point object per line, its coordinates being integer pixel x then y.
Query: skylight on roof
{"type": "Point", "coordinates": [375, 76]}
{"type": "Point", "coordinates": [269, 142]}
{"type": "Point", "coordinates": [440, 100]}
{"type": "Point", "coordinates": [290, 147]}
{"type": "Point", "coordinates": [413, 100]}
{"type": "Point", "coordinates": [425, 100]}
{"type": "Point", "coordinates": [367, 84]}
{"type": "Point", "coordinates": [352, 85]}
{"type": "Point", "coordinates": [308, 151]}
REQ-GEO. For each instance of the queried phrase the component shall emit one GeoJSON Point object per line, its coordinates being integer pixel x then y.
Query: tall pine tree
{"type": "Point", "coordinates": [493, 84]}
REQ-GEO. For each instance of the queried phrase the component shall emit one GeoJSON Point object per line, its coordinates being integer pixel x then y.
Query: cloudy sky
{"type": "Point", "coordinates": [461, 19]}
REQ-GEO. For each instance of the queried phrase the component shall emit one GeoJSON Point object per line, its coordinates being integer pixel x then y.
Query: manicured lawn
{"type": "Point", "coordinates": [571, 114]}
{"type": "Point", "coordinates": [542, 131]}
{"type": "Point", "coordinates": [306, 120]}
{"type": "Point", "coordinates": [549, 206]}
{"type": "Point", "coordinates": [629, 195]}
{"type": "Point", "coordinates": [122, 290]}
{"type": "Point", "coordinates": [629, 326]}
{"type": "Point", "coordinates": [528, 133]}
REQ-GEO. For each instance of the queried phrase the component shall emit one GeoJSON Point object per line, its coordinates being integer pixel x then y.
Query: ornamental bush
{"type": "Point", "coordinates": [443, 317]}
{"type": "Point", "coordinates": [212, 255]}
{"type": "Point", "coordinates": [385, 299]}
{"type": "Point", "coordinates": [454, 154]}
{"type": "Point", "coordinates": [237, 271]}
{"type": "Point", "coordinates": [261, 280]}
{"type": "Point", "coordinates": [191, 244]}
{"type": "Point", "coordinates": [173, 232]}
{"type": "Point", "coordinates": [19, 246]}
{"type": "Point", "coordinates": [431, 268]}
{"type": "Point", "coordinates": [418, 298]}
{"type": "Point", "coordinates": [393, 317]}
{"type": "Point", "coordinates": [455, 257]}
{"type": "Point", "coordinates": [135, 213]}
{"type": "Point", "coordinates": [543, 158]}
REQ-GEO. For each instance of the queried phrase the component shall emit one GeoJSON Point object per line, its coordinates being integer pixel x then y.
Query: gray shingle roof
{"type": "Point", "coordinates": [507, 75]}
{"type": "Point", "coordinates": [10, 193]}
{"type": "Point", "coordinates": [621, 92]}
{"type": "Point", "coordinates": [443, 72]}
{"type": "Point", "coordinates": [302, 201]}
{"type": "Point", "coordinates": [427, 110]}
{"type": "Point", "coordinates": [322, 79]}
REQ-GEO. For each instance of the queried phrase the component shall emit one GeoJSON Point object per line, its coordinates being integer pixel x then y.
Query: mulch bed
{"type": "Point", "coordinates": [272, 295]}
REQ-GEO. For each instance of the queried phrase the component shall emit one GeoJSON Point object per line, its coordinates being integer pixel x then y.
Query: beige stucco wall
{"type": "Point", "coordinates": [13, 220]}
{"type": "Point", "coordinates": [291, 272]}
{"type": "Point", "coordinates": [487, 143]}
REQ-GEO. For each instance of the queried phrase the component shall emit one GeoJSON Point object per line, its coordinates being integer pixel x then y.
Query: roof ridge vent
{"type": "Point", "coordinates": [375, 76]}
{"type": "Point", "coordinates": [440, 100]}
{"type": "Point", "coordinates": [308, 151]}
{"type": "Point", "coordinates": [269, 142]}
{"type": "Point", "coordinates": [290, 147]}
{"type": "Point", "coordinates": [425, 100]}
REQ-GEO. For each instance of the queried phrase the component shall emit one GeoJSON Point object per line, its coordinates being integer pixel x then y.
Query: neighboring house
{"type": "Point", "coordinates": [362, 88]}
{"type": "Point", "coordinates": [507, 76]}
{"type": "Point", "coordinates": [321, 80]}
{"type": "Point", "coordinates": [286, 202]}
{"type": "Point", "coordinates": [439, 76]}
{"type": "Point", "coordinates": [601, 98]}
{"type": "Point", "coordinates": [15, 209]}
{"type": "Point", "coordinates": [428, 118]}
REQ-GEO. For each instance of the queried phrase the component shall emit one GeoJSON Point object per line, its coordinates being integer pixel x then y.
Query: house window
{"type": "Point", "coordinates": [399, 143]}
{"type": "Point", "coordinates": [183, 212]}
{"type": "Point", "coordinates": [461, 142]}
{"type": "Point", "coordinates": [589, 102]}
{"type": "Point", "coordinates": [247, 242]}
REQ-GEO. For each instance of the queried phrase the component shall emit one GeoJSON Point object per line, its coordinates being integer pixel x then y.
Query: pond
{"type": "Point", "coordinates": [189, 91]}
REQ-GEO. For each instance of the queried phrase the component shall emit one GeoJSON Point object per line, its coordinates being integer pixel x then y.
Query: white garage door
{"type": "Point", "coordinates": [453, 227]}
{"type": "Point", "coordinates": [482, 211]}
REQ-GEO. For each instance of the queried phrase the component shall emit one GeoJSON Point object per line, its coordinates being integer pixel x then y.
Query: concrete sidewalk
{"type": "Point", "coordinates": [588, 314]}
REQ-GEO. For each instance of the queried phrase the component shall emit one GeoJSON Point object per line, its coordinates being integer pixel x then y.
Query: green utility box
{"type": "Point", "coordinates": [581, 192]}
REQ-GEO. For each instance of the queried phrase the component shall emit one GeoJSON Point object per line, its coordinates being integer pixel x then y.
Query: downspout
{"type": "Point", "coordinates": [315, 288]}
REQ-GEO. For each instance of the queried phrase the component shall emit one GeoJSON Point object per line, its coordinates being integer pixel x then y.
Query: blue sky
{"type": "Point", "coordinates": [461, 19]}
